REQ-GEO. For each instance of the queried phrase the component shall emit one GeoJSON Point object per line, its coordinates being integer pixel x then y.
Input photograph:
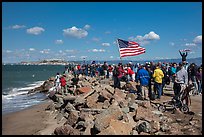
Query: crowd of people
{"type": "Point", "coordinates": [149, 75]}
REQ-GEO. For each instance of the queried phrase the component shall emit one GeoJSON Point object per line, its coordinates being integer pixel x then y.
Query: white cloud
{"type": "Point", "coordinates": [31, 49]}
{"type": "Point", "coordinates": [111, 57]}
{"type": "Point", "coordinates": [71, 56]}
{"type": "Point", "coordinates": [59, 41]}
{"type": "Point", "coordinates": [190, 44]}
{"type": "Point", "coordinates": [70, 50]}
{"type": "Point", "coordinates": [144, 40]}
{"type": "Point", "coordinates": [18, 26]}
{"type": "Point", "coordinates": [86, 27]}
{"type": "Point", "coordinates": [97, 50]}
{"type": "Point", "coordinates": [35, 30]}
{"type": "Point", "coordinates": [151, 36]}
{"type": "Point", "coordinates": [45, 51]}
{"type": "Point", "coordinates": [8, 51]}
{"type": "Point", "coordinates": [75, 32]}
{"type": "Point", "coordinates": [105, 44]}
{"type": "Point", "coordinates": [198, 39]}
{"type": "Point", "coordinates": [102, 50]}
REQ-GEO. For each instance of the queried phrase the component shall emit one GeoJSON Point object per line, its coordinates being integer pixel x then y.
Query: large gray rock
{"type": "Point", "coordinates": [105, 94]}
{"type": "Point", "coordinates": [91, 100]}
{"type": "Point", "coordinates": [69, 107]}
{"type": "Point", "coordinates": [72, 118]}
{"type": "Point", "coordinates": [155, 126]}
{"type": "Point", "coordinates": [105, 82]}
{"type": "Point", "coordinates": [109, 89]}
{"type": "Point", "coordinates": [66, 130]}
{"type": "Point", "coordinates": [146, 114]}
{"type": "Point", "coordinates": [103, 119]}
{"type": "Point", "coordinates": [133, 107]}
{"type": "Point", "coordinates": [117, 127]}
{"type": "Point", "coordinates": [165, 127]}
{"type": "Point", "coordinates": [106, 104]}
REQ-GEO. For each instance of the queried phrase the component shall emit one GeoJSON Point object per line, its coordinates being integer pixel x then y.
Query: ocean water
{"type": "Point", "coordinates": [17, 80]}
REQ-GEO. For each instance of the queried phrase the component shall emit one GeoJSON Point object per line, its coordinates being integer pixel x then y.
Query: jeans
{"type": "Point", "coordinates": [116, 82]}
{"type": "Point", "coordinates": [193, 79]}
{"type": "Point", "coordinates": [158, 87]}
{"type": "Point", "coordinates": [199, 86]}
{"type": "Point", "coordinates": [177, 89]}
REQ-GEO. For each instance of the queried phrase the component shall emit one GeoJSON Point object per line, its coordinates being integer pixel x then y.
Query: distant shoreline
{"type": "Point", "coordinates": [53, 62]}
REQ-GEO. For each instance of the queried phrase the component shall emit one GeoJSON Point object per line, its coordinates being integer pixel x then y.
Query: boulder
{"type": "Point", "coordinates": [109, 89]}
{"type": "Point", "coordinates": [103, 119]}
{"type": "Point", "coordinates": [105, 94]}
{"type": "Point", "coordinates": [155, 126]}
{"type": "Point", "coordinates": [133, 107]}
{"type": "Point", "coordinates": [146, 114]}
{"type": "Point", "coordinates": [91, 100]}
{"type": "Point", "coordinates": [72, 118]}
{"type": "Point", "coordinates": [165, 127]}
{"type": "Point", "coordinates": [66, 130]}
{"type": "Point", "coordinates": [82, 90]}
{"type": "Point", "coordinates": [106, 104]}
{"type": "Point", "coordinates": [123, 103]}
{"type": "Point", "coordinates": [69, 107]}
{"type": "Point", "coordinates": [119, 94]}
{"type": "Point", "coordinates": [117, 127]}
{"type": "Point", "coordinates": [105, 82]}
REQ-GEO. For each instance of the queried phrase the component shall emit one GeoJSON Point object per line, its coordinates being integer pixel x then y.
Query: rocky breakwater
{"type": "Point", "coordinates": [99, 109]}
{"type": "Point", "coordinates": [45, 87]}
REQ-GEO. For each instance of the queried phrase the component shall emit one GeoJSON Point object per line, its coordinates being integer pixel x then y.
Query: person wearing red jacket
{"type": "Point", "coordinates": [131, 74]}
{"type": "Point", "coordinates": [63, 84]}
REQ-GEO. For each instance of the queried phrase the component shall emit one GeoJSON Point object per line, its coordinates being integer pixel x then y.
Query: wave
{"type": "Point", "coordinates": [13, 92]}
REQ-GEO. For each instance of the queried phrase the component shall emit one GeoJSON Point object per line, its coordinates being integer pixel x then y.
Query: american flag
{"type": "Point", "coordinates": [129, 48]}
{"type": "Point", "coordinates": [185, 50]}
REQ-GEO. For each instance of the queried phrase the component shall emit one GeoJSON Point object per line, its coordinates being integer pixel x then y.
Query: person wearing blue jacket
{"type": "Point", "coordinates": [143, 77]}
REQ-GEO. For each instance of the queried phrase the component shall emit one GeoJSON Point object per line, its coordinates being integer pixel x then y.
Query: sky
{"type": "Point", "coordinates": [73, 31]}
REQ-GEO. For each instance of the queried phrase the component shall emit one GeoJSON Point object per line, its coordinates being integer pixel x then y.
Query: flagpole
{"type": "Point", "coordinates": [119, 50]}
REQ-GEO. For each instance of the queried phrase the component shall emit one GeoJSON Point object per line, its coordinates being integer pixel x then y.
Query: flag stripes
{"type": "Point", "coordinates": [129, 48]}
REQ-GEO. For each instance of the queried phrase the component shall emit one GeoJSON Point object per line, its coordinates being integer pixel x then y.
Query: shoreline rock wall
{"type": "Point", "coordinates": [99, 109]}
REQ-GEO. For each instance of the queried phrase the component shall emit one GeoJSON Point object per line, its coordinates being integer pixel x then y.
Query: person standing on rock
{"type": "Point", "coordinates": [110, 71]}
{"type": "Point", "coordinates": [144, 78]}
{"type": "Point", "coordinates": [57, 80]}
{"type": "Point", "coordinates": [183, 55]}
{"type": "Point", "coordinates": [181, 81]}
{"type": "Point", "coordinates": [63, 84]}
{"type": "Point", "coordinates": [158, 75]}
{"type": "Point", "coordinates": [105, 69]}
{"type": "Point", "coordinates": [115, 77]}
{"type": "Point", "coordinates": [75, 81]}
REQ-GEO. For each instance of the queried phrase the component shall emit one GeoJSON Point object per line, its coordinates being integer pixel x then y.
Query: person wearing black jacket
{"type": "Point", "coordinates": [183, 55]}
